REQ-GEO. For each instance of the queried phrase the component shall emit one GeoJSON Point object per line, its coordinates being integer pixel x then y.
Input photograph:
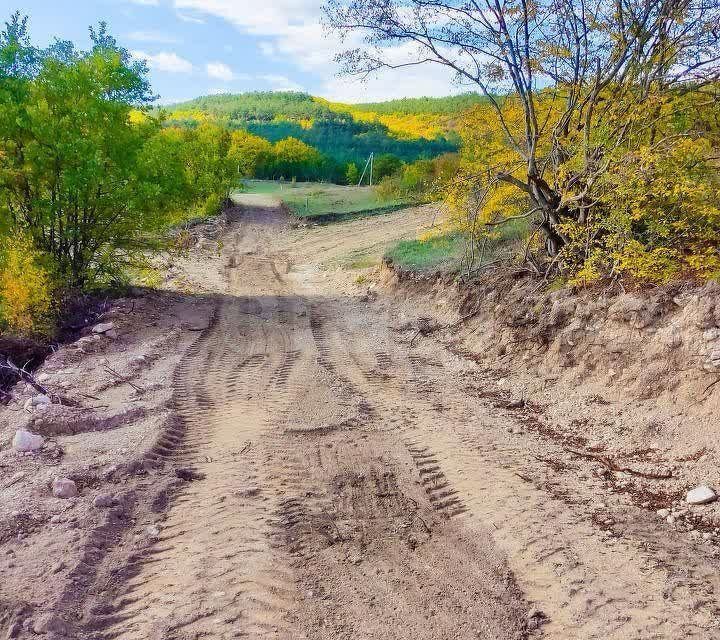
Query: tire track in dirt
{"type": "Point", "coordinates": [212, 569]}
{"type": "Point", "coordinates": [384, 500]}
{"type": "Point", "coordinates": [591, 585]}
{"type": "Point", "coordinates": [462, 452]}
{"type": "Point", "coordinates": [309, 517]}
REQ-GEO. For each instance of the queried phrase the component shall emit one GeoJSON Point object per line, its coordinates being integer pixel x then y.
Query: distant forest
{"type": "Point", "coordinates": [344, 134]}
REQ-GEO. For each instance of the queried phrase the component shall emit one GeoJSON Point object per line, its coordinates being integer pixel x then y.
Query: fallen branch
{"type": "Point", "coordinates": [612, 466]}
{"type": "Point", "coordinates": [26, 376]}
{"type": "Point", "coordinates": [522, 477]}
{"type": "Point", "coordinates": [122, 378]}
{"type": "Point", "coordinates": [710, 386]}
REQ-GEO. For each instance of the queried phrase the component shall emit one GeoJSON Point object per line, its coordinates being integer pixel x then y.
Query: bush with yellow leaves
{"type": "Point", "coordinates": [26, 300]}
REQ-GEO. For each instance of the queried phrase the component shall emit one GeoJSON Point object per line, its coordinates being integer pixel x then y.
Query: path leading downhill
{"type": "Point", "coordinates": [353, 489]}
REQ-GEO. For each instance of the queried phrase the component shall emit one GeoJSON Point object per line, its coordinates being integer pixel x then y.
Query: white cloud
{"type": "Point", "coordinates": [290, 31]}
{"type": "Point", "coordinates": [165, 61]}
{"type": "Point", "coordinates": [220, 71]}
{"type": "Point", "coordinates": [290, 28]}
{"type": "Point", "coordinates": [428, 80]}
{"type": "Point", "coordinates": [188, 18]}
{"type": "Point", "coordinates": [280, 83]}
{"type": "Point", "coordinates": [152, 36]}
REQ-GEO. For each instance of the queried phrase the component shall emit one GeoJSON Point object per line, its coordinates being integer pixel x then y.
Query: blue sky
{"type": "Point", "coordinates": [196, 47]}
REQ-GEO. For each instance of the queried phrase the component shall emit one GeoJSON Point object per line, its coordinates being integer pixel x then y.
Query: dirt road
{"type": "Point", "coordinates": [345, 483]}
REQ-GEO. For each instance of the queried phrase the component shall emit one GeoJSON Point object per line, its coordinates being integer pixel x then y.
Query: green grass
{"type": "Point", "coordinates": [313, 199]}
{"type": "Point", "coordinates": [442, 252]}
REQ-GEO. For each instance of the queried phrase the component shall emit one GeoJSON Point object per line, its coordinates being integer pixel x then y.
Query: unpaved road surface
{"type": "Point", "coordinates": [346, 477]}
{"type": "Point", "coordinates": [320, 513]}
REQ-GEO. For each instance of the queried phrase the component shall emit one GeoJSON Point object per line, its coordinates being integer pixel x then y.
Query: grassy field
{"type": "Point", "coordinates": [440, 253]}
{"type": "Point", "coordinates": [314, 199]}
{"type": "Point", "coordinates": [445, 252]}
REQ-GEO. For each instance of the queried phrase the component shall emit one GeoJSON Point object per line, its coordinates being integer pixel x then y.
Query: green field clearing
{"type": "Point", "coordinates": [440, 253]}
{"type": "Point", "coordinates": [313, 199]}
{"type": "Point", "coordinates": [445, 252]}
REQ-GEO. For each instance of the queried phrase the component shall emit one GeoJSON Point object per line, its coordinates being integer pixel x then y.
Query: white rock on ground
{"type": "Point", "coordinates": [701, 495]}
{"type": "Point", "coordinates": [64, 488]}
{"type": "Point", "coordinates": [37, 401]}
{"type": "Point", "coordinates": [137, 361]}
{"type": "Point", "coordinates": [103, 327]}
{"type": "Point", "coordinates": [26, 441]}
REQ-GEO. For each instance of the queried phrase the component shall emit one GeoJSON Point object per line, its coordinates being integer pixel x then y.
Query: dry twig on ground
{"type": "Point", "coordinates": [23, 374]}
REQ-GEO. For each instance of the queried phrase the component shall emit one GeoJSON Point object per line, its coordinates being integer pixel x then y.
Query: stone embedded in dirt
{"type": "Point", "coordinates": [137, 361]}
{"type": "Point", "coordinates": [112, 334]}
{"type": "Point", "coordinates": [153, 531]}
{"type": "Point", "coordinates": [26, 441]}
{"type": "Point", "coordinates": [104, 500]}
{"type": "Point", "coordinates": [111, 471]}
{"type": "Point", "coordinates": [40, 400]}
{"type": "Point", "coordinates": [51, 623]}
{"type": "Point", "coordinates": [663, 513]}
{"type": "Point", "coordinates": [701, 495]}
{"type": "Point", "coordinates": [64, 488]}
{"type": "Point", "coordinates": [536, 619]}
{"type": "Point", "coordinates": [103, 327]}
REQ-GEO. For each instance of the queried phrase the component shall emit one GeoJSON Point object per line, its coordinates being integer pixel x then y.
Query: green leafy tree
{"type": "Point", "coordinates": [85, 172]}
{"type": "Point", "coordinates": [385, 165]}
{"type": "Point", "coordinates": [252, 154]}
{"type": "Point", "coordinates": [352, 174]}
{"type": "Point", "coordinates": [295, 159]}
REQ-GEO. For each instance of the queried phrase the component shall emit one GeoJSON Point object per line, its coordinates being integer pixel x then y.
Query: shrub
{"type": "Point", "coordinates": [25, 288]}
{"type": "Point", "coordinates": [212, 206]}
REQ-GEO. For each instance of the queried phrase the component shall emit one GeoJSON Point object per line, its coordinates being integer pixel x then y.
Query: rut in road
{"type": "Point", "coordinates": [315, 517]}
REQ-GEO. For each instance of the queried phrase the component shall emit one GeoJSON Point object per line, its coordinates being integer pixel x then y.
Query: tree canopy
{"type": "Point", "coordinates": [599, 121]}
{"type": "Point", "coordinates": [87, 174]}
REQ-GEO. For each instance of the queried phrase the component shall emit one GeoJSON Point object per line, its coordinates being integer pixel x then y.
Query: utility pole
{"type": "Point", "coordinates": [369, 163]}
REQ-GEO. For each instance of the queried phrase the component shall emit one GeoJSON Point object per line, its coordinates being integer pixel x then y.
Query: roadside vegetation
{"type": "Point", "coordinates": [600, 126]}
{"type": "Point", "coordinates": [89, 176]}
{"type": "Point", "coordinates": [437, 252]}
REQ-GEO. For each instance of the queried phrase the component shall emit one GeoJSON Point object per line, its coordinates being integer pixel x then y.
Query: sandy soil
{"type": "Point", "coordinates": [289, 460]}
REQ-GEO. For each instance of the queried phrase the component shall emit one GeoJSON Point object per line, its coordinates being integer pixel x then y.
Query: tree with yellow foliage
{"type": "Point", "coordinates": [596, 125]}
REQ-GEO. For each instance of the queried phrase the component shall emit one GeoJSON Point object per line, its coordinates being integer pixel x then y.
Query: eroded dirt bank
{"type": "Point", "coordinates": [269, 449]}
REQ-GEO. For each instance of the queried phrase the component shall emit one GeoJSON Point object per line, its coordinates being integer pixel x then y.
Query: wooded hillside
{"type": "Point", "coordinates": [344, 134]}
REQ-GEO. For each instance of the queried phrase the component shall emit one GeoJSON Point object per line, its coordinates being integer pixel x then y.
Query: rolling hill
{"type": "Point", "coordinates": [409, 129]}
